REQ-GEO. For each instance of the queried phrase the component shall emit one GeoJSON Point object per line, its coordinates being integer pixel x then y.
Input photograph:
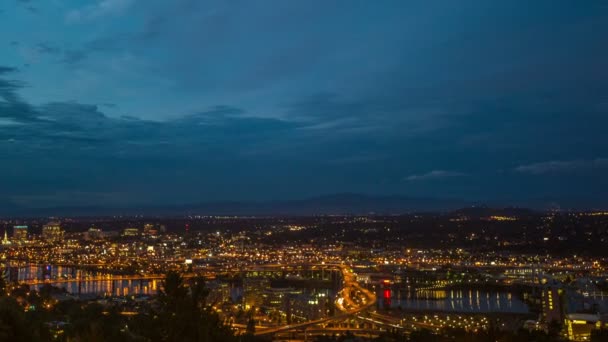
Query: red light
{"type": "Point", "coordinates": [387, 294]}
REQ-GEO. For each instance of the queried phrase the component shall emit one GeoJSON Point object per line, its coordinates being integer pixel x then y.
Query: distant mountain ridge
{"type": "Point", "coordinates": [483, 211]}
{"type": "Point", "coordinates": [336, 204]}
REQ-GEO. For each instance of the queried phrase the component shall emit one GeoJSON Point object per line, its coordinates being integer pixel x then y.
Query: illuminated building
{"type": "Point", "coordinates": [551, 304]}
{"type": "Point", "coordinates": [150, 229]}
{"type": "Point", "coordinates": [307, 305]}
{"type": "Point", "coordinates": [20, 233]}
{"type": "Point", "coordinates": [5, 241]}
{"type": "Point", "coordinates": [94, 234]}
{"type": "Point", "coordinates": [219, 292]}
{"type": "Point", "coordinates": [253, 290]}
{"type": "Point", "coordinates": [131, 232]}
{"type": "Point", "coordinates": [580, 326]}
{"type": "Point", "coordinates": [529, 274]}
{"type": "Point", "coordinates": [277, 297]}
{"type": "Point", "coordinates": [386, 294]}
{"type": "Point", "coordinates": [52, 232]}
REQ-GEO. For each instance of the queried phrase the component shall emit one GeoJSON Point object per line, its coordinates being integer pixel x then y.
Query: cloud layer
{"type": "Point", "coordinates": [433, 175]}
{"type": "Point", "coordinates": [155, 101]}
{"type": "Point", "coordinates": [562, 166]}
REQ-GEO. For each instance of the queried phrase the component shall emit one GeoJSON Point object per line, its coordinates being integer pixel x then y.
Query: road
{"type": "Point", "coordinates": [368, 300]}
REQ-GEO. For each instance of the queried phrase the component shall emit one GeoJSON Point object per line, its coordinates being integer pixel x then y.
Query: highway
{"type": "Point", "coordinates": [350, 285]}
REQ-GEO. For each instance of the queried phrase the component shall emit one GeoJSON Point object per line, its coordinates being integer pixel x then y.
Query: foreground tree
{"type": "Point", "coordinates": [599, 335]}
{"type": "Point", "coordinates": [14, 325]}
{"type": "Point", "coordinates": [183, 315]}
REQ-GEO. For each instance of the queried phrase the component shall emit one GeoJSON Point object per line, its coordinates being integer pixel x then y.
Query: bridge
{"type": "Point", "coordinates": [262, 269]}
{"type": "Point", "coordinates": [36, 282]}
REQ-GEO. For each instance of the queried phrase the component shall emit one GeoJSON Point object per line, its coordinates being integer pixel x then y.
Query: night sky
{"type": "Point", "coordinates": [130, 102]}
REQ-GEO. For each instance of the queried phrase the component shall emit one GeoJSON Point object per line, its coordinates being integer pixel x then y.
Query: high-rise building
{"type": "Point", "coordinates": [253, 289]}
{"type": "Point", "coordinates": [20, 233]}
{"type": "Point", "coordinates": [52, 231]}
{"type": "Point", "coordinates": [551, 304]}
{"type": "Point", "coordinates": [130, 232]}
{"type": "Point", "coordinates": [150, 229]}
{"type": "Point", "coordinates": [94, 234]}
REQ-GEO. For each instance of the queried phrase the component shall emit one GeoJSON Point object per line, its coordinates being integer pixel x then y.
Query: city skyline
{"type": "Point", "coordinates": [468, 275]}
{"type": "Point", "coordinates": [132, 103]}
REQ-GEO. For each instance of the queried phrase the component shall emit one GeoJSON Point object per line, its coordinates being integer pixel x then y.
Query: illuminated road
{"type": "Point", "coordinates": [368, 300]}
{"type": "Point", "coordinates": [352, 298]}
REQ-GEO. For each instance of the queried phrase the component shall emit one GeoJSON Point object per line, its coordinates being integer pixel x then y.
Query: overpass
{"type": "Point", "coordinates": [350, 285]}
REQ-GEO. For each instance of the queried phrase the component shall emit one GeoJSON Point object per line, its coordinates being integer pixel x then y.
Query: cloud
{"type": "Point", "coordinates": [330, 90]}
{"type": "Point", "coordinates": [7, 122]}
{"type": "Point", "coordinates": [6, 70]}
{"type": "Point", "coordinates": [560, 166]}
{"type": "Point", "coordinates": [433, 175]}
{"type": "Point", "coordinates": [47, 48]}
{"type": "Point", "coordinates": [12, 107]}
{"type": "Point", "coordinates": [70, 197]}
{"type": "Point", "coordinates": [101, 9]}
{"type": "Point", "coordinates": [358, 159]}
{"type": "Point", "coordinates": [218, 131]}
{"type": "Point", "coordinates": [389, 115]}
{"type": "Point", "coordinates": [113, 43]}
{"type": "Point", "coordinates": [74, 57]}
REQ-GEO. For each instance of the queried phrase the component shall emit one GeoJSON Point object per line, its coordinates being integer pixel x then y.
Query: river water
{"type": "Point", "coordinates": [462, 300]}
{"type": "Point", "coordinates": [111, 285]}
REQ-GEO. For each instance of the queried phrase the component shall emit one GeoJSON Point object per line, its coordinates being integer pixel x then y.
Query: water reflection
{"type": "Point", "coordinates": [83, 282]}
{"type": "Point", "coordinates": [469, 300]}
{"type": "Point", "coordinates": [108, 287]}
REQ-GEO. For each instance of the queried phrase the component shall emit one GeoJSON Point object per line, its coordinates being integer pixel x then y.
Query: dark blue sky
{"type": "Point", "coordinates": [145, 102]}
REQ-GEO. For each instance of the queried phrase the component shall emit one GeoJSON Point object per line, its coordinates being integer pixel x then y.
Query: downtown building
{"type": "Point", "coordinates": [20, 233]}
{"type": "Point", "coordinates": [52, 231]}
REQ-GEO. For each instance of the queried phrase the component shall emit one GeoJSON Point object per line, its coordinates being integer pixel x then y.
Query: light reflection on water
{"type": "Point", "coordinates": [469, 300]}
{"type": "Point", "coordinates": [109, 286]}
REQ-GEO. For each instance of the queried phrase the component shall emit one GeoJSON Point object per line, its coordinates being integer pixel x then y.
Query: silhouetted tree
{"type": "Point", "coordinates": [183, 315]}
{"type": "Point", "coordinates": [423, 336]}
{"type": "Point", "coordinates": [600, 335]}
{"type": "Point", "coordinates": [554, 329]}
{"type": "Point", "coordinates": [2, 285]}
{"type": "Point", "coordinates": [13, 326]}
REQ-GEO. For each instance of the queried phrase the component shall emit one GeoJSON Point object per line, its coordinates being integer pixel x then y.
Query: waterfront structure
{"type": "Point", "coordinates": [580, 325]}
